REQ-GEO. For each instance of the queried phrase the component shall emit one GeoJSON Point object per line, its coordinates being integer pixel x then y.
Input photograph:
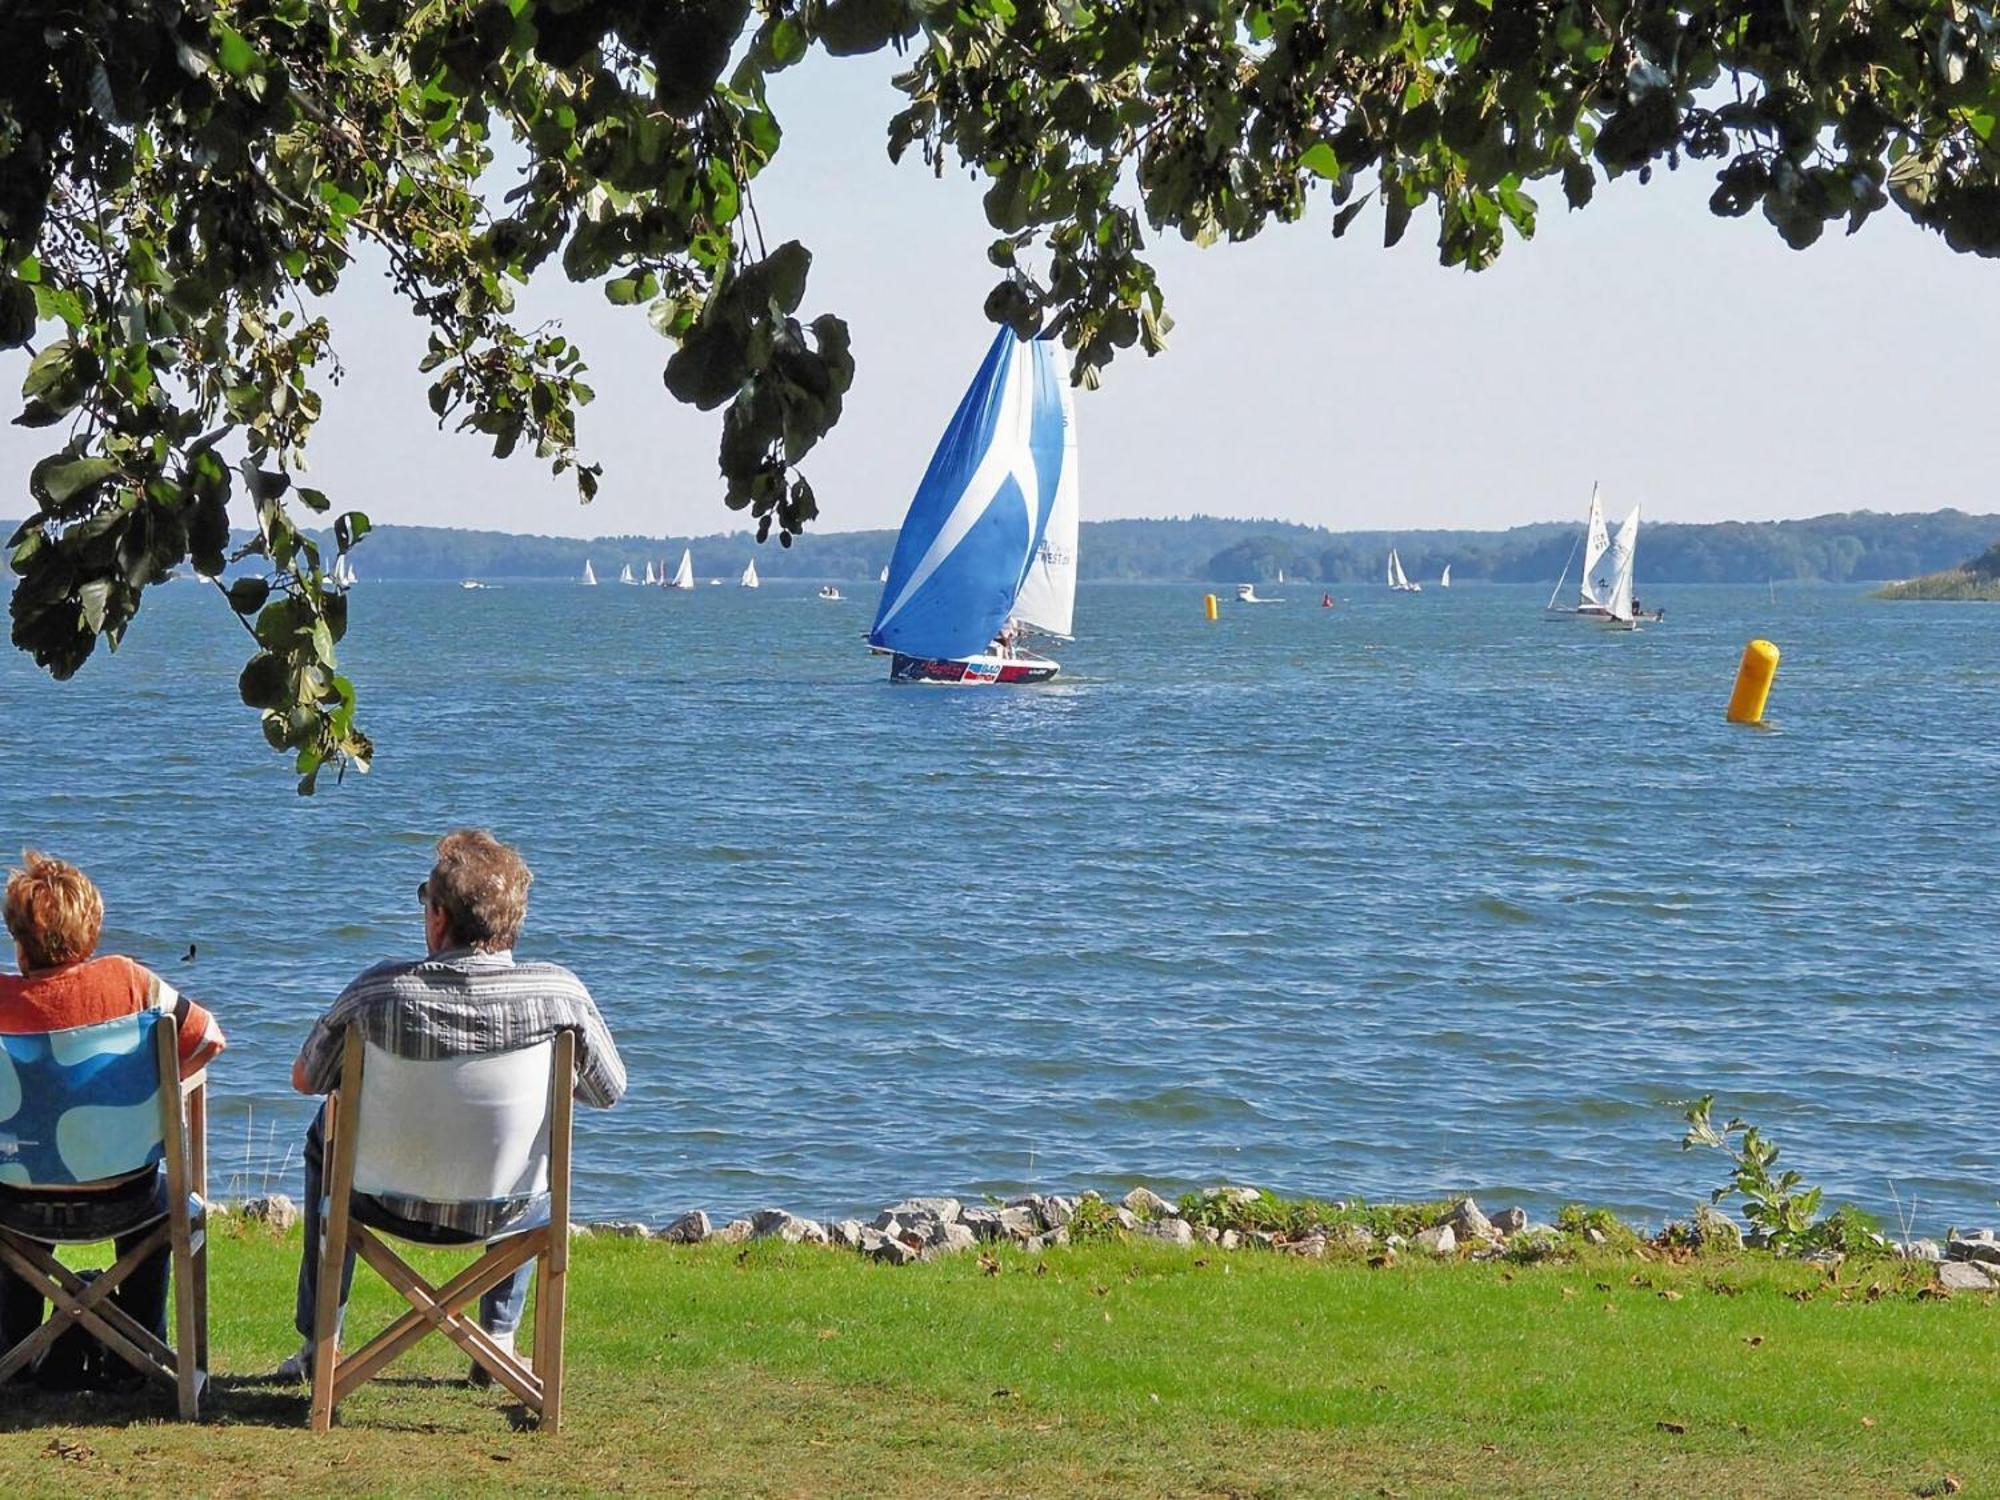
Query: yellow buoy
{"type": "Point", "coordinates": [1753, 683]}
{"type": "Point", "coordinates": [1208, 604]}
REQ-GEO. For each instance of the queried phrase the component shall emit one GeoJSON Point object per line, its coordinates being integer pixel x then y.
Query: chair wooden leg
{"type": "Point", "coordinates": [333, 1248]}
{"type": "Point", "coordinates": [550, 1292]}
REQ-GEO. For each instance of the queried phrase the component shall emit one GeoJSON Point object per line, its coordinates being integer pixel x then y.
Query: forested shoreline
{"type": "Point", "coordinates": [1857, 547]}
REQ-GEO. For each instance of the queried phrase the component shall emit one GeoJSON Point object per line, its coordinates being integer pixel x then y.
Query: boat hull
{"type": "Point", "coordinates": [971, 671]}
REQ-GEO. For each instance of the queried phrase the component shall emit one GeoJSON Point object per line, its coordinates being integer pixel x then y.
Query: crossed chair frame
{"type": "Point", "coordinates": [184, 1365]}
{"type": "Point", "coordinates": [434, 1308]}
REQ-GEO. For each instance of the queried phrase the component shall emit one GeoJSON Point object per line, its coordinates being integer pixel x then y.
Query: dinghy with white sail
{"type": "Point", "coordinates": [343, 573]}
{"type": "Point", "coordinates": [589, 575]}
{"type": "Point", "coordinates": [1444, 578]}
{"type": "Point", "coordinates": [1596, 542]}
{"type": "Point", "coordinates": [683, 575]}
{"type": "Point", "coordinates": [651, 577]}
{"type": "Point", "coordinates": [1399, 581]}
{"type": "Point", "coordinates": [749, 580]}
{"type": "Point", "coordinates": [625, 574]}
{"type": "Point", "coordinates": [987, 552]}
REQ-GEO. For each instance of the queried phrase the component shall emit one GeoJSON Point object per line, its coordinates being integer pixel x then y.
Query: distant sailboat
{"type": "Point", "coordinates": [1399, 581]}
{"type": "Point", "coordinates": [750, 580]}
{"type": "Point", "coordinates": [885, 576]}
{"type": "Point", "coordinates": [343, 573]}
{"type": "Point", "coordinates": [1444, 578]}
{"type": "Point", "coordinates": [683, 575]}
{"type": "Point", "coordinates": [1595, 544]}
{"type": "Point", "coordinates": [1281, 575]}
{"type": "Point", "coordinates": [589, 575]}
{"type": "Point", "coordinates": [625, 574]}
{"type": "Point", "coordinates": [651, 576]}
{"type": "Point", "coordinates": [988, 549]}
{"type": "Point", "coordinates": [1624, 549]}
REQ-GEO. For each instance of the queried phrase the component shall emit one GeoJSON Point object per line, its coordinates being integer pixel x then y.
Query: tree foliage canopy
{"type": "Point", "coordinates": [178, 176]}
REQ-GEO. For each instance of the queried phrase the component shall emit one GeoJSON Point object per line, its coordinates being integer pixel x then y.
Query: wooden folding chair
{"type": "Point", "coordinates": [482, 1129]}
{"type": "Point", "coordinates": [85, 1106]}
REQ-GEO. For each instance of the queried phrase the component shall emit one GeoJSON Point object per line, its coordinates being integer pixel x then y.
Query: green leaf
{"type": "Point", "coordinates": [266, 682]}
{"type": "Point", "coordinates": [232, 50]}
{"type": "Point", "coordinates": [1320, 160]}
{"type": "Point", "coordinates": [60, 482]}
{"type": "Point", "coordinates": [247, 595]}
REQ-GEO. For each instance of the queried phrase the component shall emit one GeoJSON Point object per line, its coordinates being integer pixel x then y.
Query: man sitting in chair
{"type": "Point", "coordinates": [54, 913]}
{"type": "Point", "coordinates": [467, 997]}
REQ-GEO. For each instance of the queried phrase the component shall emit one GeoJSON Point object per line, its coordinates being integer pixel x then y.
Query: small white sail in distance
{"type": "Point", "coordinates": [749, 580]}
{"type": "Point", "coordinates": [1595, 544]}
{"type": "Point", "coordinates": [883, 577]}
{"type": "Point", "coordinates": [1444, 578]}
{"type": "Point", "coordinates": [1398, 579]}
{"type": "Point", "coordinates": [1623, 556]}
{"type": "Point", "coordinates": [651, 576]}
{"type": "Point", "coordinates": [684, 575]}
{"type": "Point", "coordinates": [589, 575]}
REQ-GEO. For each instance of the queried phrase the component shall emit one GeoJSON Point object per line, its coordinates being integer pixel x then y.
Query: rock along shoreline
{"type": "Point", "coordinates": [1233, 1218]}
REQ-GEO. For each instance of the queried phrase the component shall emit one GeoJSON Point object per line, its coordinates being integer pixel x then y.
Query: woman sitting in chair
{"type": "Point", "coordinates": [54, 913]}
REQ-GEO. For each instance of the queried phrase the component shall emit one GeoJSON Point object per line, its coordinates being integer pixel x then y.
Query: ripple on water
{"type": "Point", "coordinates": [1340, 902]}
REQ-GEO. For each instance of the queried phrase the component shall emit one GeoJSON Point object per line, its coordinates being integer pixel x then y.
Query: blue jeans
{"type": "Point", "coordinates": [499, 1309]}
{"type": "Point", "coordinates": [110, 1214]}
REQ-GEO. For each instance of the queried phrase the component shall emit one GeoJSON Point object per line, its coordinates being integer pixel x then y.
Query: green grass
{"type": "Point", "coordinates": [1109, 1369]}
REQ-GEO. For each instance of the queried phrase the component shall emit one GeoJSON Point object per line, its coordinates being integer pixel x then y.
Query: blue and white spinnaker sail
{"type": "Point", "coordinates": [994, 520]}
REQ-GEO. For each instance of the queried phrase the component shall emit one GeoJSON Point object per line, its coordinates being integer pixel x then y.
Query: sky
{"type": "Point", "coordinates": [1693, 363]}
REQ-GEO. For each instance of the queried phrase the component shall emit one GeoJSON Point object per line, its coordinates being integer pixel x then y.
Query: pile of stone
{"type": "Point", "coordinates": [926, 1228]}
{"type": "Point", "coordinates": [1971, 1262]}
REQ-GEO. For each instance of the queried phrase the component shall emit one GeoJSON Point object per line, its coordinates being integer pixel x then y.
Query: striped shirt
{"type": "Point", "coordinates": [462, 1003]}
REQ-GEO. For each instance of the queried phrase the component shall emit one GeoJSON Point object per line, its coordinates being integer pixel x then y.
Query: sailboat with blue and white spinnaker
{"type": "Point", "coordinates": [987, 553]}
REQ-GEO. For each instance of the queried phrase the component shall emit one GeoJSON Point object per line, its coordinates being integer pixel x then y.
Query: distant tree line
{"type": "Point", "coordinates": [1862, 546]}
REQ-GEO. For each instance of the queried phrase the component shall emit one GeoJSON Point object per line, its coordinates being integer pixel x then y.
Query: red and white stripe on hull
{"type": "Point", "coordinates": [971, 671]}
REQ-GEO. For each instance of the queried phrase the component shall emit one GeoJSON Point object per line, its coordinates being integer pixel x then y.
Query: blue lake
{"type": "Point", "coordinates": [1410, 895]}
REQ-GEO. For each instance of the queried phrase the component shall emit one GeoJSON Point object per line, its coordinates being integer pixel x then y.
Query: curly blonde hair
{"type": "Point", "coordinates": [53, 911]}
{"type": "Point", "coordinates": [481, 886]}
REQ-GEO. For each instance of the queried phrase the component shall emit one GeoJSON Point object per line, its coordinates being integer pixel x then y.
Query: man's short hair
{"type": "Point", "coordinates": [481, 886]}
{"type": "Point", "coordinates": [53, 911]}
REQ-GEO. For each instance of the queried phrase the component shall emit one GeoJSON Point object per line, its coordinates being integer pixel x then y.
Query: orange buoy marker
{"type": "Point", "coordinates": [1753, 683]}
{"type": "Point", "coordinates": [1208, 605]}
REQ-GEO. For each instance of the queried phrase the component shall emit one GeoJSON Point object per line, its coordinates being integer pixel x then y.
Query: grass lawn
{"type": "Point", "coordinates": [1111, 1369]}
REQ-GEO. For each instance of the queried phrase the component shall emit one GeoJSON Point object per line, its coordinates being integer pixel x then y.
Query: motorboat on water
{"type": "Point", "coordinates": [1246, 593]}
{"type": "Point", "coordinates": [472, 583]}
{"type": "Point", "coordinates": [987, 554]}
{"type": "Point", "coordinates": [828, 591]}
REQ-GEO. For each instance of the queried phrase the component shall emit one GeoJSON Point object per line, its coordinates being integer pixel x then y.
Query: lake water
{"type": "Point", "coordinates": [1410, 895]}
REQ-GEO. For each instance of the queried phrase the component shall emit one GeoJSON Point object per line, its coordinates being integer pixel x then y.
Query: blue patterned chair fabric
{"type": "Point", "coordinates": [80, 1105]}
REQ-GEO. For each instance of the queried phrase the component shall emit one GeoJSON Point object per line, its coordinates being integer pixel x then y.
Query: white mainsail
{"type": "Point", "coordinates": [683, 575]}
{"type": "Point", "coordinates": [1619, 605]}
{"type": "Point", "coordinates": [1595, 543]}
{"type": "Point", "coordinates": [884, 578]}
{"type": "Point", "coordinates": [625, 574]}
{"type": "Point", "coordinates": [651, 576]}
{"type": "Point", "coordinates": [1047, 597]}
{"type": "Point", "coordinates": [343, 573]}
{"type": "Point", "coordinates": [749, 580]}
{"type": "Point", "coordinates": [1398, 579]}
{"type": "Point", "coordinates": [1444, 578]}
{"type": "Point", "coordinates": [589, 575]}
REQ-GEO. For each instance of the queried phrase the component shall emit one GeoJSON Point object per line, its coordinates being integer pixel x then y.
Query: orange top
{"type": "Point", "coordinates": [103, 989]}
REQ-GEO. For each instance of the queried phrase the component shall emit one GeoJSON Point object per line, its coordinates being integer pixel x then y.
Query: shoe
{"type": "Point", "coordinates": [479, 1375]}
{"type": "Point", "coordinates": [297, 1368]}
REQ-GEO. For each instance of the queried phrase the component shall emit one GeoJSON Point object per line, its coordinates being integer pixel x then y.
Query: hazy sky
{"type": "Point", "coordinates": [1692, 362]}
